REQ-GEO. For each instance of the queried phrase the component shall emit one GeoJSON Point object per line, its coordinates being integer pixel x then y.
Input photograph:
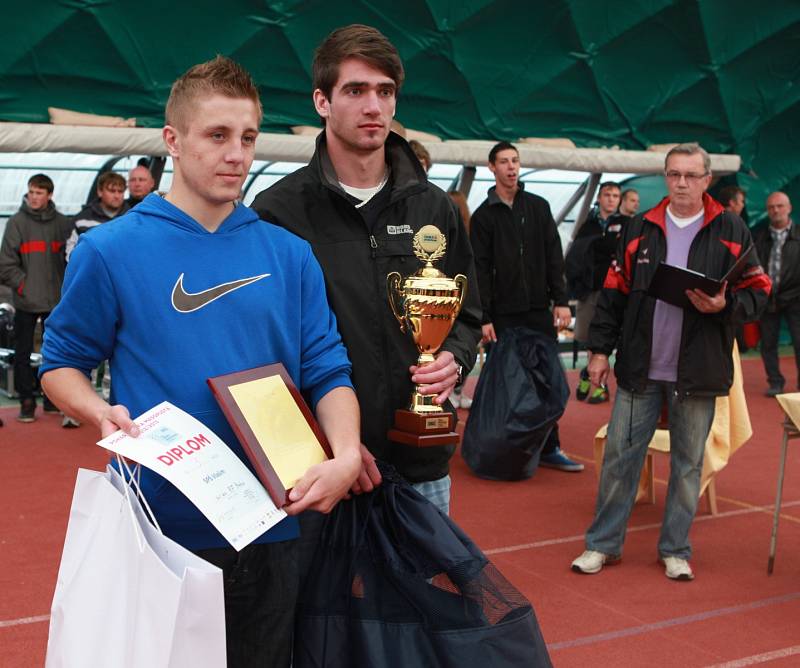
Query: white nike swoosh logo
{"type": "Point", "coordinates": [186, 302]}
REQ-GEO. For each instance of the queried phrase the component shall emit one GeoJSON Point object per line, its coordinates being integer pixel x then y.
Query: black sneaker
{"type": "Point", "coordinates": [49, 407]}
{"type": "Point", "coordinates": [774, 391]}
{"type": "Point", "coordinates": [27, 410]}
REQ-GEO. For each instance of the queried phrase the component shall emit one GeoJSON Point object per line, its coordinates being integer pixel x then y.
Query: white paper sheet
{"type": "Point", "coordinates": [194, 459]}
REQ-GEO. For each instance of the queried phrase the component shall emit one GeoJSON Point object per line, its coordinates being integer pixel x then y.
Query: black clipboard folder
{"type": "Point", "coordinates": [670, 283]}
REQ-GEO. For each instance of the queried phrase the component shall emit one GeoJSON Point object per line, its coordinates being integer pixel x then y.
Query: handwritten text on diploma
{"type": "Point", "coordinates": [194, 459]}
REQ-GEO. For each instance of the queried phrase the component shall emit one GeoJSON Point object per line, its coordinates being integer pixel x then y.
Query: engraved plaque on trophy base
{"type": "Point", "coordinates": [423, 429]}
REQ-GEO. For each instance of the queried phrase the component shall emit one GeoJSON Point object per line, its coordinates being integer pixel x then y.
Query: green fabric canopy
{"type": "Point", "coordinates": [725, 73]}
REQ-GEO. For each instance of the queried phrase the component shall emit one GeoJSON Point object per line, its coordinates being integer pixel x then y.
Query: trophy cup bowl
{"type": "Point", "coordinates": [425, 304]}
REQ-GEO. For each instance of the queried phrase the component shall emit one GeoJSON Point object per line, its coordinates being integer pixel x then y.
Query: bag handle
{"type": "Point", "coordinates": [133, 480]}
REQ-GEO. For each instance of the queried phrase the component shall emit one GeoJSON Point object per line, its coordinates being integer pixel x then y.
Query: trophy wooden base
{"type": "Point", "coordinates": [423, 429]}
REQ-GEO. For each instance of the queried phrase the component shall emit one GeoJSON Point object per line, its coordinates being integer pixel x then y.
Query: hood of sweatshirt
{"type": "Point", "coordinates": [155, 205]}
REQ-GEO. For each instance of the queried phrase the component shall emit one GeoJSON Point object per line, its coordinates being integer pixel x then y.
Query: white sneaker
{"type": "Point", "coordinates": [69, 422]}
{"type": "Point", "coordinates": [676, 568]}
{"type": "Point", "coordinates": [591, 562]}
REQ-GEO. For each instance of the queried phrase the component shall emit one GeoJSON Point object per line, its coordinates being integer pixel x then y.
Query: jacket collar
{"type": "Point", "coordinates": [407, 173]}
{"type": "Point", "coordinates": [494, 198]}
{"type": "Point", "coordinates": [658, 214]}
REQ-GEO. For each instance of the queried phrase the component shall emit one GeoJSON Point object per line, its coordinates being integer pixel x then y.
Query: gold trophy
{"type": "Point", "coordinates": [426, 303]}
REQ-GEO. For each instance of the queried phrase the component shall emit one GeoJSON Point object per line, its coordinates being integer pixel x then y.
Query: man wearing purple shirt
{"type": "Point", "coordinates": [667, 355]}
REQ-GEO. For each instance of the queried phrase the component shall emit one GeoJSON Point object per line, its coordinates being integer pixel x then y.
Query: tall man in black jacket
{"type": "Point", "coordinates": [778, 246]}
{"type": "Point", "coordinates": [359, 203]}
{"type": "Point", "coordinates": [686, 366]}
{"type": "Point", "coordinates": [520, 267]}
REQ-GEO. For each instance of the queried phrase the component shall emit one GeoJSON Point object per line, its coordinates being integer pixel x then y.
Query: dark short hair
{"type": "Point", "coordinates": [354, 41]}
{"type": "Point", "coordinates": [110, 178]}
{"type": "Point", "coordinates": [608, 184]}
{"type": "Point", "coordinates": [41, 181]}
{"type": "Point", "coordinates": [626, 191]}
{"type": "Point", "coordinates": [728, 194]}
{"type": "Point", "coordinates": [501, 146]}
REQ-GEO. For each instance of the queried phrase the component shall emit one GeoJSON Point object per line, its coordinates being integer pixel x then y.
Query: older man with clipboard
{"type": "Point", "coordinates": [668, 354]}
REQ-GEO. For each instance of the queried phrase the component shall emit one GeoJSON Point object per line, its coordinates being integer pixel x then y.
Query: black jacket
{"type": "Point", "coordinates": [788, 289]}
{"type": "Point", "coordinates": [624, 315]}
{"type": "Point", "coordinates": [518, 256]}
{"type": "Point", "coordinates": [355, 259]}
{"type": "Point", "coordinates": [591, 254]}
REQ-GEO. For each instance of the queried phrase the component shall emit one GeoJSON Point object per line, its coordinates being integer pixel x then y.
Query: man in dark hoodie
{"type": "Point", "coordinates": [32, 265]}
{"type": "Point", "coordinates": [109, 204]}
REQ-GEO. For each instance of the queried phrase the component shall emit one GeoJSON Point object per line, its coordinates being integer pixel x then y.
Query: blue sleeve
{"type": "Point", "coordinates": [324, 364]}
{"type": "Point", "coordinates": [80, 332]}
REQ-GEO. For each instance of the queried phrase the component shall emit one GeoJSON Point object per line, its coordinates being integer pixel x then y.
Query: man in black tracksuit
{"type": "Point", "coordinates": [359, 203]}
{"type": "Point", "coordinates": [680, 356]}
{"type": "Point", "coordinates": [520, 267]}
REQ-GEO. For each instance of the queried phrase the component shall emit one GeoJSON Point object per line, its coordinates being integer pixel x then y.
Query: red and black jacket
{"type": "Point", "coordinates": [624, 316]}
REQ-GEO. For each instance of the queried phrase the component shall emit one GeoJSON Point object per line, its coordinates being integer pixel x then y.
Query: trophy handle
{"type": "Point", "coordinates": [392, 285]}
{"type": "Point", "coordinates": [461, 282]}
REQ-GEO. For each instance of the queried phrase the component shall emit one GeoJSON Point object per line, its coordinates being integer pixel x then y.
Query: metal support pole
{"type": "Point", "coordinates": [594, 181]}
{"type": "Point", "coordinates": [788, 428]}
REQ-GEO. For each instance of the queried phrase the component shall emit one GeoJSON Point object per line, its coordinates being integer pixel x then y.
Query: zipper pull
{"type": "Point", "coordinates": [373, 244]}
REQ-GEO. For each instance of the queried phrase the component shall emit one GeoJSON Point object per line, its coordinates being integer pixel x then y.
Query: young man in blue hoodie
{"type": "Point", "coordinates": [191, 285]}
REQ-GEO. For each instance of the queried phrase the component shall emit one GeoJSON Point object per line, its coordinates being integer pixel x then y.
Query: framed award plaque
{"type": "Point", "coordinates": [274, 424]}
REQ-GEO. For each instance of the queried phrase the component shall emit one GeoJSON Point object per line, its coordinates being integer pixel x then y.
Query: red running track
{"type": "Point", "coordinates": [732, 615]}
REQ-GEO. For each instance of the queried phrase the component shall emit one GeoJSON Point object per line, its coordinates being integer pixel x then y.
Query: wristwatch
{"type": "Point", "coordinates": [460, 372]}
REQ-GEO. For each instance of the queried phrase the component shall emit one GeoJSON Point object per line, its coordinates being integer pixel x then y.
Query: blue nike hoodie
{"type": "Point", "coordinates": [138, 292]}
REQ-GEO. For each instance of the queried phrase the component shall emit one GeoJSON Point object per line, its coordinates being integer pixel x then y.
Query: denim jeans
{"type": "Point", "coordinates": [770, 330]}
{"type": "Point", "coordinates": [436, 491]}
{"type": "Point", "coordinates": [633, 422]}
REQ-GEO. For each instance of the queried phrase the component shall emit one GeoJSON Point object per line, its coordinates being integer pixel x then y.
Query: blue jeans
{"type": "Point", "coordinates": [436, 491]}
{"type": "Point", "coordinates": [633, 422]}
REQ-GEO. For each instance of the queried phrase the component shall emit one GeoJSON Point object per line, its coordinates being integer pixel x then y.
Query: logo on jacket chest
{"type": "Point", "coordinates": [186, 302]}
{"type": "Point", "coordinates": [399, 229]}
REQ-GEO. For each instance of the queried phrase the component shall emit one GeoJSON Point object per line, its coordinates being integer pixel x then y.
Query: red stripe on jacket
{"type": "Point", "coordinates": [33, 247]}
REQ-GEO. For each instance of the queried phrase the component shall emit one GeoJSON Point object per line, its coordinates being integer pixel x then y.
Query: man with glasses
{"type": "Point", "coordinates": [667, 355]}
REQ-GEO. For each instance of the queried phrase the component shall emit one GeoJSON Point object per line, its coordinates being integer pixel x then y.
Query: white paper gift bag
{"type": "Point", "coordinates": [127, 596]}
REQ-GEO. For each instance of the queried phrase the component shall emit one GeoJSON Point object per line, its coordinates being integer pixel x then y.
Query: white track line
{"type": "Point", "coordinates": [641, 527]}
{"type": "Point", "coordinates": [759, 658]}
{"type": "Point", "coordinates": [23, 620]}
{"type": "Point", "coordinates": [675, 621]}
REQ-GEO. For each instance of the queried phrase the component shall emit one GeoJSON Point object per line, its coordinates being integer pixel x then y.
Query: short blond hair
{"type": "Point", "coordinates": [220, 75]}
